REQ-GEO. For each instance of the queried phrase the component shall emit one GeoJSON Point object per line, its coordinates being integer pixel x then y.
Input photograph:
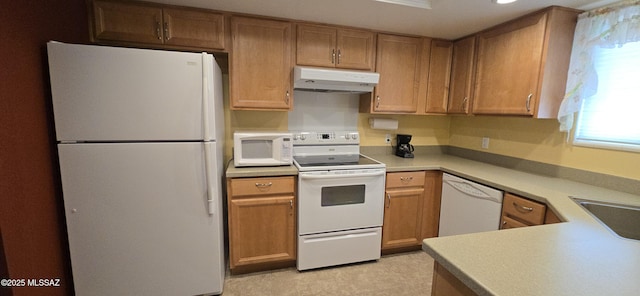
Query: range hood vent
{"type": "Point", "coordinates": [332, 80]}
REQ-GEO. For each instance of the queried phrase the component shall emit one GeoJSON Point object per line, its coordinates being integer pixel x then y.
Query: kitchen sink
{"type": "Point", "coordinates": [623, 220]}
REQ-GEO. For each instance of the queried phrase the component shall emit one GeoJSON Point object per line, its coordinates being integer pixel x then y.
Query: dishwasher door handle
{"type": "Point", "coordinates": [470, 190]}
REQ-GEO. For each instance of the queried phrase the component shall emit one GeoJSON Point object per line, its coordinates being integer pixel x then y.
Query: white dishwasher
{"type": "Point", "coordinates": [468, 207]}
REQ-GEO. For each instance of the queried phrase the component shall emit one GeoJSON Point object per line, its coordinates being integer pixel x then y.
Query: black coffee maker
{"type": "Point", "coordinates": [403, 148]}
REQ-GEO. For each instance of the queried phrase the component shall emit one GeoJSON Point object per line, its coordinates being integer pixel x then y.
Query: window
{"type": "Point", "coordinates": [602, 83]}
{"type": "Point", "coordinates": [611, 117]}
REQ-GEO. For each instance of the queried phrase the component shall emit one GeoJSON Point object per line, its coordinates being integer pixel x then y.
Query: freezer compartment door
{"type": "Point", "coordinates": [106, 94]}
{"type": "Point", "coordinates": [340, 247]}
{"type": "Point", "coordinates": [138, 219]}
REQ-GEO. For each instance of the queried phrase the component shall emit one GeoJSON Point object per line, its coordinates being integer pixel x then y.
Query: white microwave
{"type": "Point", "coordinates": [262, 149]}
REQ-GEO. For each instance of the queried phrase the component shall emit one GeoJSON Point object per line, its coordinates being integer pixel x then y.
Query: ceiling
{"type": "Point", "coordinates": [448, 19]}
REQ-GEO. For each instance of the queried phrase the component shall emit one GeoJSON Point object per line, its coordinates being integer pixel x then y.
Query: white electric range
{"type": "Point", "coordinates": [340, 199]}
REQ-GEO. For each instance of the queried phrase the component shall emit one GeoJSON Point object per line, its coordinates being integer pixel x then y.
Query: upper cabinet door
{"type": "Point", "coordinates": [260, 73]}
{"type": "Point", "coordinates": [508, 69]}
{"type": "Point", "coordinates": [316, 46]}
{"type": "Point", "coordinates": [398, 62]}
{"type": "Point", "coordinates": [462, 76]}
{"type": "Point", "coordinates": [356, 49]}
{"type": "Point", "coordinates": [325, 46]}
{"type": "Point", "coordinates": [439, 76]}
{"type": "Point", "coordinates": [131, 22]}
{"type": "Point", "coordinates": [160, 26]}
{"type": "Point", "coordinates": [193, 28]}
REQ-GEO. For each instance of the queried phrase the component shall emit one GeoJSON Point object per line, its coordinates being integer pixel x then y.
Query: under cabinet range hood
{"type": "Point", "coordinates": [332, 80]}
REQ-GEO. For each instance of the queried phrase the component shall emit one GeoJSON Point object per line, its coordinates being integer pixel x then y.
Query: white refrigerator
{"type": "Point", "coordinates": [140, 146]}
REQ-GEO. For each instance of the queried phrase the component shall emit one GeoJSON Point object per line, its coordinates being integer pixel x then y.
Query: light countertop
{"type": "Point", "coordinates": [577, 257]}
{"type": "Point", "coordinates": [286, 170]}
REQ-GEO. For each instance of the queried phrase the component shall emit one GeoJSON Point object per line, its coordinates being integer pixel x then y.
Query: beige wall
{"type": "Point", "coordinates": [539, 140]}
{"type": "Point", "coordinates": [531, 139]}
{"type": "Point", "coordinates": [426, 130]}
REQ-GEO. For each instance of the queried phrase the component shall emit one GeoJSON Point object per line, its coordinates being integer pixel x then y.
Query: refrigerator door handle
{"type": "Point", "coordinates": [206, 75]}
{"type": "Point", "coordinates": [207, 173]}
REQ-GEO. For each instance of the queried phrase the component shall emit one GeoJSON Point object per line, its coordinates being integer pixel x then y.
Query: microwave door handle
{"type": "Point", "coordinates": [341, 176]}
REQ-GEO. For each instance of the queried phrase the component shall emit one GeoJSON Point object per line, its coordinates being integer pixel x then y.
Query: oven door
{"type": "Point", "coordinates": [340, 200]}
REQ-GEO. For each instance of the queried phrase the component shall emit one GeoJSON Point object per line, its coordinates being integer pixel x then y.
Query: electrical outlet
{"type": "Point", "coordinates": [485, 143]}
{"type": "Point", "coordinates": [387, 138]}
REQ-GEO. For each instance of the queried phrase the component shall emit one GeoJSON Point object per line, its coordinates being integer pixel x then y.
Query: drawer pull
{"type": "Point", "coordinates": [528, 209]}
{"type": "Point", "coordinates": [406, 179]}
{"type": "Point", "coordinates": [264, 185]}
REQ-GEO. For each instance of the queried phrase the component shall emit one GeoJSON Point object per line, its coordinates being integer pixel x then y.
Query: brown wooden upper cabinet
{"type": "Point", "coordinates": [326, 46]}
{"type": "Point", "coordinates": [398, 62]}
{"type": "Point", "coordinates": [439, 76]}
{"type": "Point", "coordinates": [144, 23]}
{"type": "Point", "coordinates": [260, 64]}
{"type": "Point", "coordinates": [522, 65]}
{"type": "Point", "coordinates": [462, 66]}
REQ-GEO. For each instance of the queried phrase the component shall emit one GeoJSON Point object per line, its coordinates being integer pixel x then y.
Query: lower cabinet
{"type": "Point", "coordinates": [446, 284]}
{"type": "Point", "coordinates": [412, 207]}
{"type": "Point", "coordinates": [518, 211]}
{"type": "Point", "coordinates": [262, 219]}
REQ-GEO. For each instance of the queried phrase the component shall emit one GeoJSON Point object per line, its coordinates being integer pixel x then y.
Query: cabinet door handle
{"type": "Point", "coordinates": [167, 36]}
{"type": "Point", "coordinates": [333, 56]}
{"type": "Point", "coordinates": [464, 104]}
{"type": "Point", "coordinates": [339, 56]}
{"type": "Point", "coordinates": [377, 102]}
{"type": "Point", "coordinates": [286, 98]}
{"type": "Point", "coordinates": [158, 31]}
{"type": "Point", "coordinates": [388, 200]}
{"type": "Point", "coordinates": [291, 204]}
{"type": "Point", "coordinates": [528, 105]}
{"type": "Point", "coordinates": [528, 209]}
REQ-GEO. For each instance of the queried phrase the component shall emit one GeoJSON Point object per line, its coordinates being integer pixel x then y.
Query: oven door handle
{"type": "Point", "coordinates": [333, 176]}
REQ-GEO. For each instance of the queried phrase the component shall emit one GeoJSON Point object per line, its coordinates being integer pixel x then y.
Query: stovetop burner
{"type": "Point", "coordinates": [330, 150]}
{"type": "Point", "coordinates": [364, 162]}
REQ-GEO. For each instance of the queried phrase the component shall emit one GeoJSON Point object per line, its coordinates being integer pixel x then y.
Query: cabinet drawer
{"type": "Point", "coordinates": [261, 186]}
{"type": "Point", "coordinates": [506, 223]}
{"type": "Point", "coordinates": [524, 210]}
{"type": "Point", "coordinates": [405, 179]}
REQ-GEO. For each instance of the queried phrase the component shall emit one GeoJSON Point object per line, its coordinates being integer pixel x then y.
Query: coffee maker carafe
{"type": "Point", "coordinates": [403, 148]}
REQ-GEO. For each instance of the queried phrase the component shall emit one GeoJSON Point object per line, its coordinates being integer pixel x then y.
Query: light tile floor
{"type": "Point", "coordinates": [399, 274]}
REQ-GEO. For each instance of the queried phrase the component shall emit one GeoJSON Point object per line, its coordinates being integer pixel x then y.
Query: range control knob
{"type": "Point", "coordinates": [295, 137]}
{"type": "Point", "coordinates": [303, 137]}
{"type": "Point", "coordinates": [347, 136]}
{"type": "Point", "coordinates": [354, 136]}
